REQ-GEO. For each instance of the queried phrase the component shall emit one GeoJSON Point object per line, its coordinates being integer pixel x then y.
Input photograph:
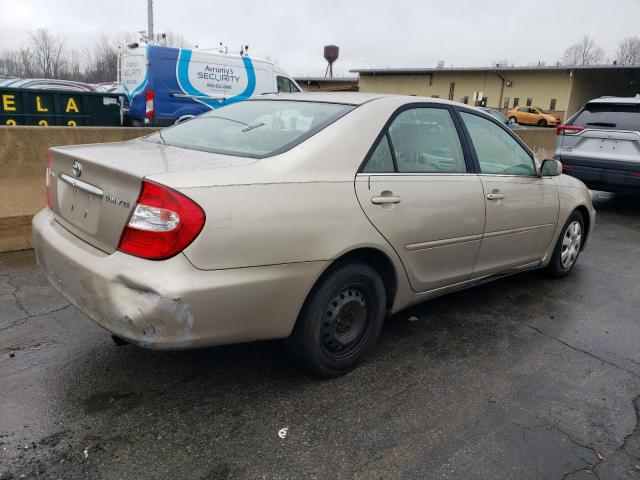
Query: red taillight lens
{"type": "Point", "coordinates": [47, 180]}
{"type": "Point", "coordinates": [566, 166]}
{"type": "Point", "coordinates": [149, 104]}
{"type": "Point", "coordinates": [163, 223]}
{"type": "Point", "coordinates": [568, 129]}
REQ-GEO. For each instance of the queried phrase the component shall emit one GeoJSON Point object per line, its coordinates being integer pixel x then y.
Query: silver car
{"type": "Point", "coordinates": [307, 217]}
{"type": "Point", "coordinates": [600, 144]}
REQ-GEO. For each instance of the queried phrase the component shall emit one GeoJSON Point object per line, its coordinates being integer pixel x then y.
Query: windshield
{"type": "Point", "coordinates": [253, 128]}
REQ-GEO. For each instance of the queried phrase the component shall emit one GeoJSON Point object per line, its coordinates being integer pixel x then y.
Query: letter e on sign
{"type": "Point", "coordinates": [71, 106]}
{"type": "Point", "coordinates": [8, 103]}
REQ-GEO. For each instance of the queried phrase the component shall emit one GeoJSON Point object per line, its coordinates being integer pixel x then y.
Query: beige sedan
{"type": "Point", "coordinates": [307, 217]}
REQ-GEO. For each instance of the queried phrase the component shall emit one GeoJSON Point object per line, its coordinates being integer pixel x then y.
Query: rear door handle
{"type": "Point", "coordinates": [385, 200]}
{"type": "Point", "coordinates": [495, 196]}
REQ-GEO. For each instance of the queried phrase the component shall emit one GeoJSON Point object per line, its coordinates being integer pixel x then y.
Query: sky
{"type": "Point", "coordinates": [370, 34]}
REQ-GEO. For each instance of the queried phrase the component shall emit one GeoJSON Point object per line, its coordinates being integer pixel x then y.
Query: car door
{"type": "Point", "coordinates": [521, 207]}
{"type": "Point", "coordinates": [417, 189]}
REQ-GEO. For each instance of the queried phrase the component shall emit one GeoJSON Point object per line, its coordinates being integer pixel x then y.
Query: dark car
{"type": "Point", "coordinates": [502, 118]}
{"type": "Point", "coordinates": [600, 144]}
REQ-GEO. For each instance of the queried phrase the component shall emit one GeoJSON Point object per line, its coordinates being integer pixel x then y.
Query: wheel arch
{"type": "Point", "coordinates": [586, 218]}
{"type": "Point", "coordinates": [376, 259]}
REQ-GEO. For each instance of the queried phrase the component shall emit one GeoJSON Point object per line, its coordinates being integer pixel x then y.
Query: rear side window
{"type": "Point", "coordinates": [497, 151]}
{"type": "Point", "coordinates": [285, 85]}
{"type": "Point", "coordinates": [425, 140]}
{"type": "Point", "coordinates": [252, 128]}
{"type": "Point", "coordinates": [614, 116]}
{"type": "Point", "coordinates": [381, 160]}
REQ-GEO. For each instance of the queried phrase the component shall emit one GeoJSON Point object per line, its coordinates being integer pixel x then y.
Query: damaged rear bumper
{"type": "Point", "coordinates": [170, 304]}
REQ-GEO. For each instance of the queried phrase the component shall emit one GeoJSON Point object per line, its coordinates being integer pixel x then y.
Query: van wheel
{"type": "Point", "coordinates": [339, 322]}
{"type": "Point", "coordinates": [568, 246]}
{"type": "Point", "coordinates": [542, 123]}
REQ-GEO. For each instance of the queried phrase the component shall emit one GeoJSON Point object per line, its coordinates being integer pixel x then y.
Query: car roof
{"type": "Point", "coordinates": [630, 100]}
{"type": "Point", "coordinates": [351, 98]}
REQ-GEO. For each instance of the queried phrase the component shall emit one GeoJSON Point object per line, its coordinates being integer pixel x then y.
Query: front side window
{"type": "Point", "coordinates": [497, 151]}
{"type": "Point", "coordinates": [252, 128]}
{"type": "Point", "coordinates": [425, 140]}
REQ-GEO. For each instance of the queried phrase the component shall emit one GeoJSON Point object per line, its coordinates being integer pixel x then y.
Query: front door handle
{"type": "Point", "coordinates": [495, 196]}
{"type": "Point", "coordinates": [385, 200]}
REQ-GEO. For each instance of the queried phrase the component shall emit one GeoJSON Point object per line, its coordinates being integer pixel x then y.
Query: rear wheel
{"type": "Point", "coordinates": [340, 321]}
{"type": "Point", "coordinates": [568, 246]}
{"type": "Point", "coordinates": [542, 123]}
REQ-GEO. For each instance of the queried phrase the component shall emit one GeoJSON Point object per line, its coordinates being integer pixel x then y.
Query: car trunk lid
{"type": "Point", "coordinates": [94, 188]}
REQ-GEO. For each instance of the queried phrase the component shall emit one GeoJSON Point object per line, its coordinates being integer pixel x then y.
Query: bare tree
{"type": "Point", "coordinates": [585, 52]}
{"type": "Point", "coordinates": [47, 54]}
{"type": "Point", "coordinates": [102, 63]}
{"type": "Point", "coordinates": [628, 52]}
{"type": "Point", "coordinates": [175, 39]}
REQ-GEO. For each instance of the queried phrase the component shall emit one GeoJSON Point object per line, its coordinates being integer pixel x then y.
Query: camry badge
{"type": "Point", "coordinates": [76, 168]}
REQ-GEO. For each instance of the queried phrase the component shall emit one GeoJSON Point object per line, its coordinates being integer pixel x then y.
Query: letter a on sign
{"type": "Point", "coordinates": [71, 105]}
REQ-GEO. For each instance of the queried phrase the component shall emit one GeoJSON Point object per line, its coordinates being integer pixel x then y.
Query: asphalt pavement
{"type": "Point", "coordinates": [523, 378]}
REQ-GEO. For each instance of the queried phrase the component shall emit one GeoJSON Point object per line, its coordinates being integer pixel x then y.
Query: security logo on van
{"type": "Point", "coordinates": [213, 84]}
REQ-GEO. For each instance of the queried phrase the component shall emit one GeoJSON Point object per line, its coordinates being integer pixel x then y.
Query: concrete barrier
{"type": "Point", "coordinates": [541, 140]}
{"type": "Point", "coordinates": [23, 153]}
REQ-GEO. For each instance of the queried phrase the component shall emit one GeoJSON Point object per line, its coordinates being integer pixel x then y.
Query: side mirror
{"type": "Point", "coordinates": [551, 168]}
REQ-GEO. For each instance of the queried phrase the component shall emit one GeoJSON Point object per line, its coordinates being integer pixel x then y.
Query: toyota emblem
{"type": "Point", "coordinates": [76, 168]}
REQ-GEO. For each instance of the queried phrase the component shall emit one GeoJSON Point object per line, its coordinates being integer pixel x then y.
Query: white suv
{"type": "Point", "coordinates": [600, 144]}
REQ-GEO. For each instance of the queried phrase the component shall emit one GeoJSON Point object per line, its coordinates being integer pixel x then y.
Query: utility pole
{"type": "Point", "coordinates": [150, 21]}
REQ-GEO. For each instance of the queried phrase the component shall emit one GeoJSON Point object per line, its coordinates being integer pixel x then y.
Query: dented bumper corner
{"type": "Point", "coordinates": [170, 304]}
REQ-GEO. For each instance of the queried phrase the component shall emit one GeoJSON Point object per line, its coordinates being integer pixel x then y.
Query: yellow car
{"type": "Point", "coordinates": [533, 116]}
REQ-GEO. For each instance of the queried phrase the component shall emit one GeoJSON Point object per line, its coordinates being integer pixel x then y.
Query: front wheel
{"type": "Point", "coordinates": [340, 321]}
{"type": "Point", "coordinates": [568, 246]}
{"type": "Point", "coordinates": [513, 119]}
{"type": "Point", "coordinates": [542, 123]}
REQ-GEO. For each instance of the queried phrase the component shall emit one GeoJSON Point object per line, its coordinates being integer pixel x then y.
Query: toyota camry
{"type": "Point", "coordinates": [308, 217]}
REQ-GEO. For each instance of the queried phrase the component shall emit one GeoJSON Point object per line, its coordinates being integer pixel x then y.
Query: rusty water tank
{"type": "Point", "coordinates": [331, 53]}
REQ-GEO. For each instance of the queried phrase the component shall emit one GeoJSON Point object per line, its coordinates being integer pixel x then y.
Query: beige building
{"type": "Point", "coordinates": [327, 84]}
{"type": "Point", "coordinates": [562, 90]}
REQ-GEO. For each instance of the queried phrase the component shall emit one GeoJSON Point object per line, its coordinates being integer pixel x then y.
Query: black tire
{"type": "Point", "coordinates": [339, 322]}
{"type": "Point", "coordinates": [542, 123]}
{"type": "Point", "coordinates": [513, 119]}
{"type": "Point", "coordinates": [556, 267]}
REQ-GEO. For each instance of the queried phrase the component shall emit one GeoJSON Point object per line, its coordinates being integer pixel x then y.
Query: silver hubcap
{"type": "Point", "coordinates": [570, 245]}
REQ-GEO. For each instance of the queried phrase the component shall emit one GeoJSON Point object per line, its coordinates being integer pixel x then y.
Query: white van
{"type": "Point", "coordinates": [165, 85]}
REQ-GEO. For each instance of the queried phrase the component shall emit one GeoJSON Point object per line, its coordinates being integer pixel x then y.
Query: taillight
{"type": "Point", "coordinates": [163, 223]}
{"type": "Point", "coordinates": [568, 129]}
{"type": "Point", "coordinates": [47, 180]}
{"type": "Point", "coordinates": [566, 166]}
{"type": "Point", "coordinates": [149, 104]}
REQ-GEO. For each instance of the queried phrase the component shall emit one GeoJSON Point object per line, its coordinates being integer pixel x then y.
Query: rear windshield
{"type": "Point", "coordinates": [609, 115]}
{"type": "Point", "coordinates": [253, 128]}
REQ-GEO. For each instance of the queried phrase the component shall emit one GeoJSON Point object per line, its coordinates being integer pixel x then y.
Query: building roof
{"type": "Point", "coordinates": [420, 70]}
{"type": "Point", "coordinates": [326, 79]}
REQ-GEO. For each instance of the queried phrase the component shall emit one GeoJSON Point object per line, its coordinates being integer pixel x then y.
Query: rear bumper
{"type": "Point", "coordinates": [170, 304]}
{"type": "Point", "coordinates": [596, 176]}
